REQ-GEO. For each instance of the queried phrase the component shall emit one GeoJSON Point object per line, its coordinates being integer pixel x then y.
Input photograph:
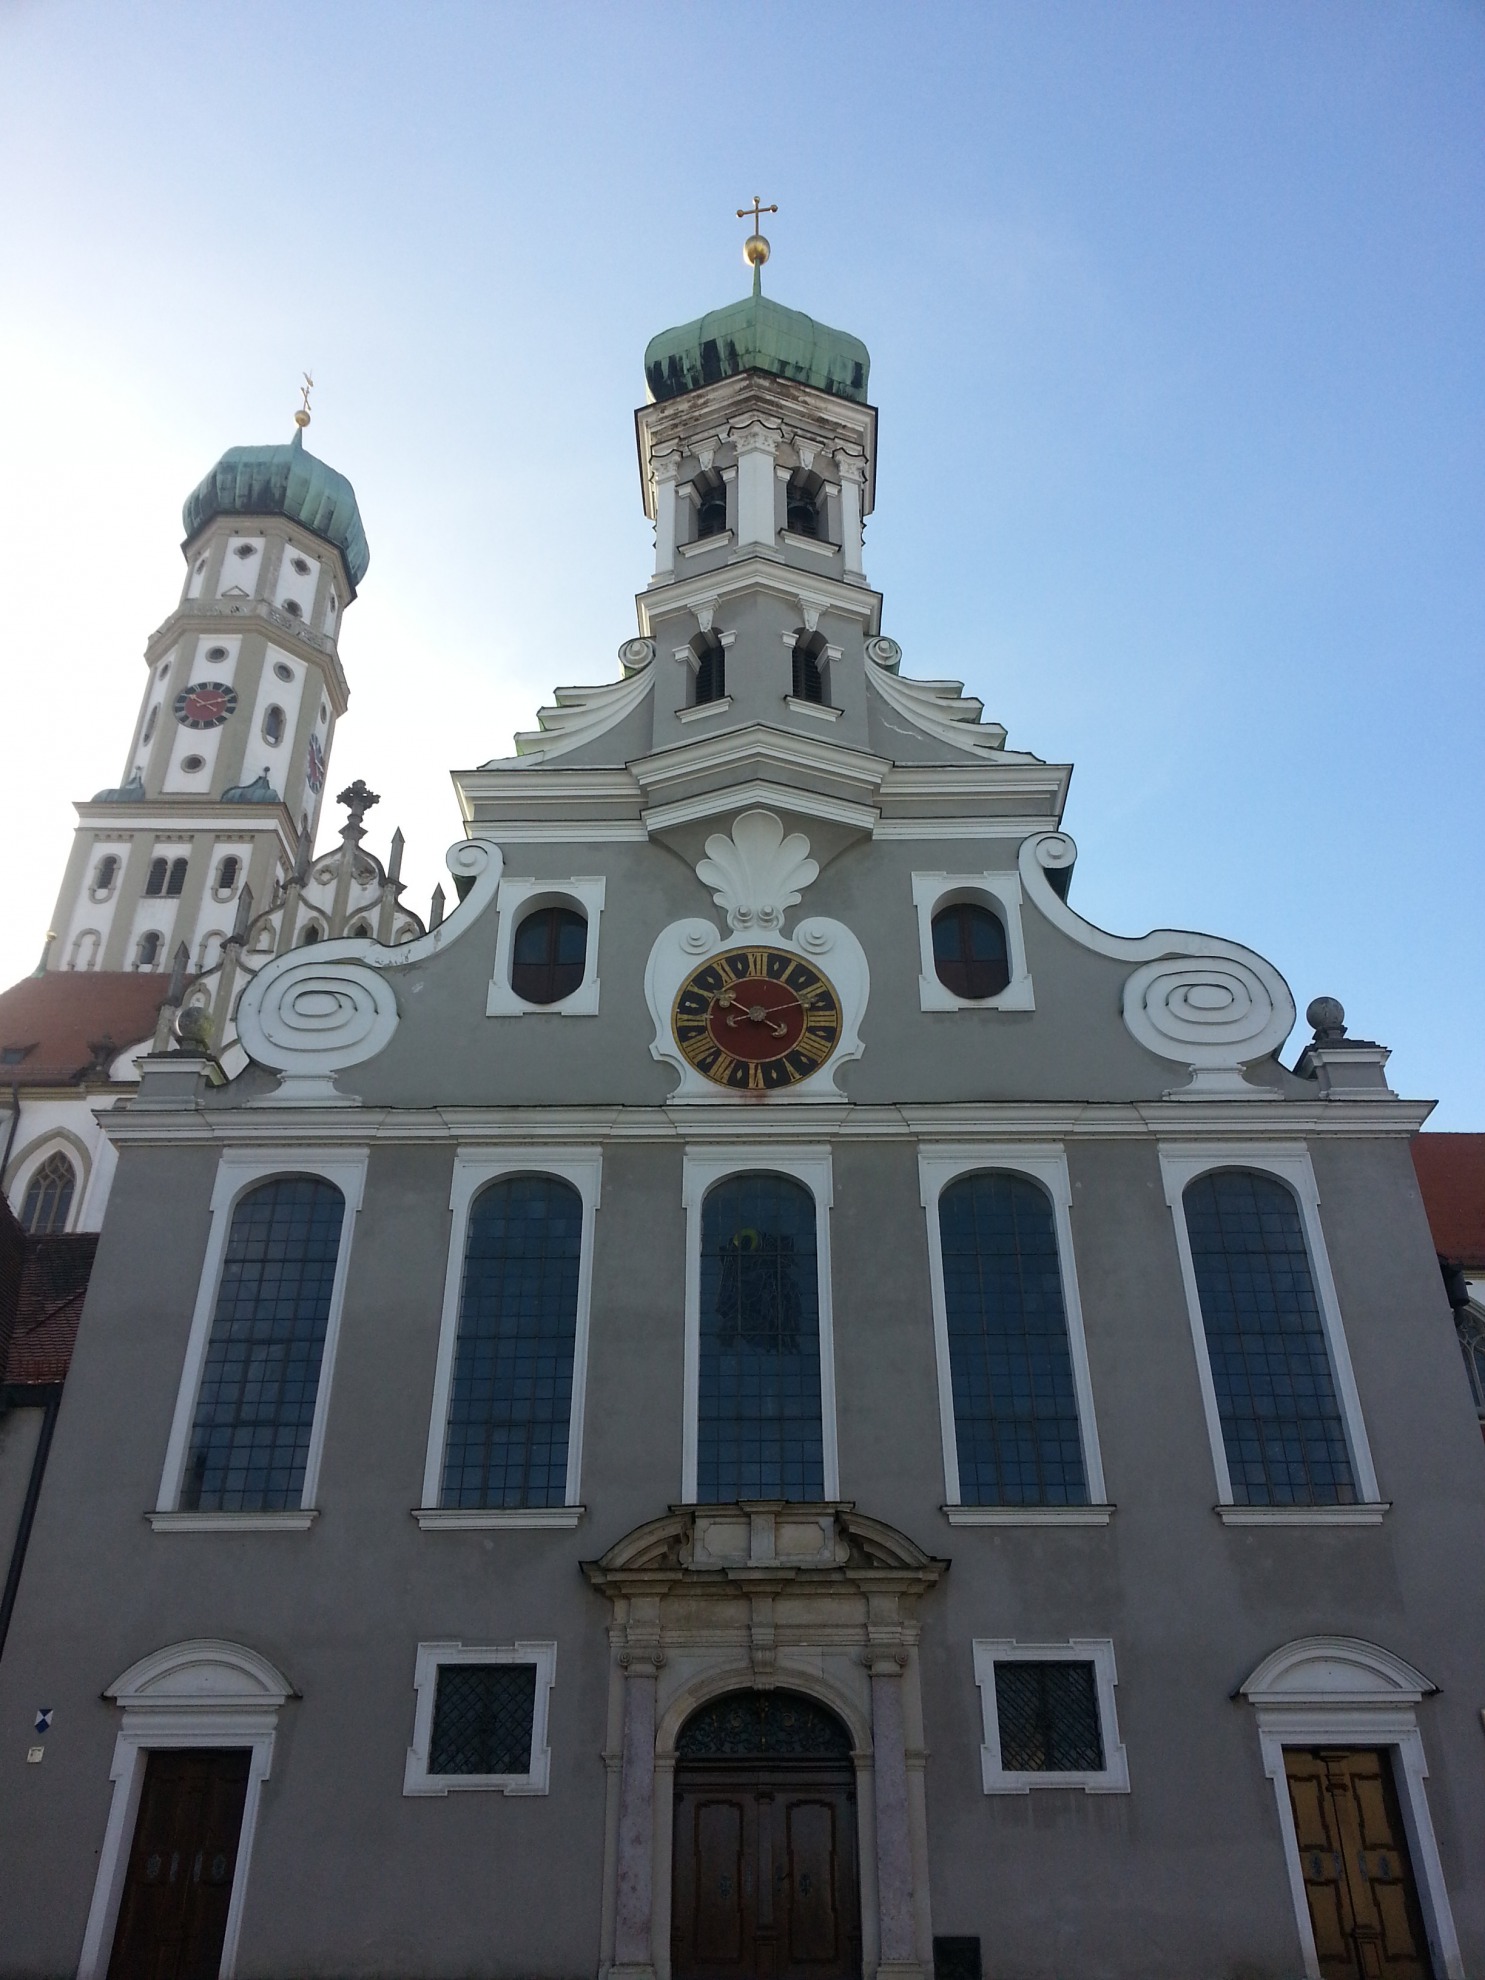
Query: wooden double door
{"type": "Point", "coordinates": [765, 1883]}
{"type": "Point", "coordinates": [178, 1883]}
{"type": "Point", "coordinates": [1358, 1876]}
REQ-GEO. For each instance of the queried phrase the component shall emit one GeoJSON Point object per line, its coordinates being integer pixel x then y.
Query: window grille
{"type": "Point", "coordinates": [510, 1401]}
{"type": "Point", "coordinates": [773, 1725]}
{"type": "Point", "coordinates": [482, 1719]}
{"type": "Point", "coordinates": [1015, 1408]}
{"type": "Point", "coordinates": [970, 957]}
{"type": "Point", "coordinates": [49, 1197]}
{"type": "Point", "coordinates": [549, 955]}
{"type": "Point", "coordinates": [1048, 1717]}
{"type": "Point", "coordinates": [1281, 1423]}
{"type": "Point", "coordinates": [759, 1433]}
{"type": "Point", "coordinates": [256, 1405]}
{"type": "Point", "coordinates": [1471, 1330]}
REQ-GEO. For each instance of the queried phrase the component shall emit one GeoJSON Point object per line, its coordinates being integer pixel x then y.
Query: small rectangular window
{"type": "Point", "coordinates": [1048, 1717]}
{"type": "Point", "coordinates": [482, 1716]}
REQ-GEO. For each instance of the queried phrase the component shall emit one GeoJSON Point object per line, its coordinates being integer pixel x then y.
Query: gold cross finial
{"type": "Point", "coordinates": [301, 418]}
{"type": "Point", "coordinates": [755, 247]}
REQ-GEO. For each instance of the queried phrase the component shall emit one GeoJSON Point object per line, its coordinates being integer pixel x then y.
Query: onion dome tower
{"type": "Point", "coordinates": [226, 770]}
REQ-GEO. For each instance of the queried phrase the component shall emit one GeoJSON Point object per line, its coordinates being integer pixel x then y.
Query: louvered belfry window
{"type": "Point", "coordinates": [256, 1405]}
{"type": "Point", "coordinates": [1281, 1422]}
{"type": "Point", "coordinates": [1048, 1717]}
{"type": "Point", "coordinates": [510, 1401]}
{"type": "Point", "coordinates": [482, 1719]}
{"type": "Point", "coordinates": [759, 1432]}
{"type": "Point", "coordinates": [1015, 1408]}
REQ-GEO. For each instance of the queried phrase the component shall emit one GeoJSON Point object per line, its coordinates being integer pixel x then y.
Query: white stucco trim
{"type": "Point", "coordinates": [473, 1168]}
{"type": "Point", "coordinates": [938, 1166]}
{"type": "Point", "coordinates": [206, 1693]}
{"type": "Point", "coordinates": [1180, 1164]}
{"type": "Point", "coordinates": [1001, 893]}
{"type": "Point", "coordinates": [514, 900]}
{"type": "Point", "coordinates": [703, 1166]}
{"type": "Point", "coordinates": [238, 1170]}
{"type": "Point", "coordinates": [1341, 1691]}
{"type": "Point", "coordinates": [1113, 1777]}
{"type": "Point", "coordinates": [431, 1656]}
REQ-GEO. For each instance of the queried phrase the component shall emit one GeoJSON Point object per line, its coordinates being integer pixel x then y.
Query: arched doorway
{"type": "Point", "coordinates": [765, 1878]}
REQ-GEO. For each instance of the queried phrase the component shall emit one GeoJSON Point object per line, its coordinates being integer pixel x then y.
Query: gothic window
{"type": "Point", "coordinates": [711, 505]}
{"type": "Point", "coordinates": [312, 933]}
{"type": "Point", "coordinates": [49, 1197]}
{"type": "Point", "coordinates": [549, 955]}
{"type": "Point", "coordinates": [510, 1398]}
{"type": "Point", "coordinates": [804, 505]}
{"type": "Point", "coordinates": [1275, 1389]}
{"type": "Point", "coordinates": [177, 881]}
{"type": "Point", "coordinates": [970, 957]}
{"type": "Point", "coordinates": [360, 933]}
{"type": "Point", "coordinates": [1471, 1327]}
{"type": "Point", "coordinates": [711, 667]}
{"type": "Point", "coordinates": [759, 1429]}
{"type": "Point", "coordinates": [256, 1404]}
{"type": "Point", "coordinates": [274, 721]}
{"type": "Point", "coordinates": [104, 875]}
{"type": "Point", "coordinates": [158, 873]}
{"type": "Point", "coordinates": [148, 952]}
{"type": "Point", "coordinates": [1015, 1407]}
{"type": "Point", "coordinates": [809, 671]}
{"type": "Point", "coordinates": [227, 872]}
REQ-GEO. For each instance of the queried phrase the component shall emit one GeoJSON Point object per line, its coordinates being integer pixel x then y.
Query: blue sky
{"type": "Point", "coordinates": [1174, 313]}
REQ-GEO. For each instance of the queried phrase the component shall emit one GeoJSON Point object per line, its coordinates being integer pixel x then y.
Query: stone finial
{"type": "Point", "coordinates": [1327, 1015]}
{"type": "Point", "coordinates": [192, 1028]}
{"type": "Point", "coordinates": [394, 863]}
{"type": "Point", "coordinates": [435, 910]}
{"type": "Point", "coordinates": [358, 798]}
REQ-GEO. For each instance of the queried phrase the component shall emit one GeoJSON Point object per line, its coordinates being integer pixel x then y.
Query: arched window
{"type": "Point", "coordinates": [803, 504]}
{"type": "Point", "coordinates": [227, 872]}
{"type": "Point", "coordinates": [158, 874]}
{"type": "Point", "coordinates": [312, 933]}
{"type": "Point", "coordinates": [177, 881]}
{"type": "Point", "coordinates": [256, 1404]}
{"type": "Point", "coordinates": [49, 1196]}
{"type": "Point", "coordinates": [549, 955]}
{"type": "Point", "coordinates": [711, 667]}
{"type": "Point", "coordinates": [711, 505]}
{"type": "Point", "coordinates": [274, 721]}
{"type": "Point", "coordinates": [809, 674]}
{"type": "Point", "coordinates": [759, 1431]}
{"type": "Point", "coordinates": [148, 953]}
{"type": "Point", "coordinates": [85, 950]}
{"type": "Point", "coordinates": [510, 1399]}
{"type": "Point", "coordinates": [1016, 1424]}
{"type": "Point", "coordinates": [104, 875]}
{"type": "Point", "coordinates": [1281, 1422]}
{"type": "Point", "coordinates": [360, 933]}
{"type": "Point", "coordinates": [970, 957]}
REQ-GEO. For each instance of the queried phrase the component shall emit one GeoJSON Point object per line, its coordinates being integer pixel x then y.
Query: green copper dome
{"type": "Point", "coordinates": [756, 334]}
{"type": "Point", "coordinates": [283, 481]}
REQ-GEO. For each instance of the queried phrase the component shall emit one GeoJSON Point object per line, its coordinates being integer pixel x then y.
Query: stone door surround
{"type": "Point", "coordinates": [712, 1599]}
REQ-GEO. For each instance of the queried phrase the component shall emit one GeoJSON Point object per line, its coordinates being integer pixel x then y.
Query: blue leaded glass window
{"type": "Point", "coordinates": [1281, 1422]}
{"type": "Point", "coordinates": [1015, 1408]}
{"type": "Point", "coordinates": [256, 1404]}
{"type": "Point", "coordinates": [759, 1430]}
{"type": "Point", "coordinates": [510, 1402]}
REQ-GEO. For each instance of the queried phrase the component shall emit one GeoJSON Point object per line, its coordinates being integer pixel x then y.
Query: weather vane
{"type": "Point", "coordinates": [301, 418]}
{"type": "Point", "coordinates": [755, 247]}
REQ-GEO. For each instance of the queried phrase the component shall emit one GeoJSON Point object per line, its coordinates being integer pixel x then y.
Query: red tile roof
{"type": "Point", "coordinates": [63, 1015]}
{"type": "Point", "coordinates": [1451, 1174]}
{"type": "Point", "coordinates": [54, 1283]}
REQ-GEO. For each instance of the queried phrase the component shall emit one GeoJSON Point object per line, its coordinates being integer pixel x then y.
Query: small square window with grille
{"type": "Point", "coordinates": [482, 1719]}
{"type": "Point", "coordinates": [1048, 1717]}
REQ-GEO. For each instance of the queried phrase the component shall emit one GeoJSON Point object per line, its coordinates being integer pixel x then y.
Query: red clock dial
{"type": "Point", "coordinates": [205, 704]}
{"type": "Point", "coordinates": [757, 1018]}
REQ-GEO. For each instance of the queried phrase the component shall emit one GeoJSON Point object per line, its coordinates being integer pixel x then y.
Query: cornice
{"type": "Point", "coordinates": [754, 573]}
{"type": "Point", "coordinates": [820, 418]}
{"type": "Point", "coordinates": [205, 616]}
{"type": "Point", "coordinates": [166, 814]}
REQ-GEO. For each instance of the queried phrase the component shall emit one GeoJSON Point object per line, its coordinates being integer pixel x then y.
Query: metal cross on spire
{"type": "Point", "coordinates": [755, 247]}
{"type": "Point", "coordinates": [301, 417]}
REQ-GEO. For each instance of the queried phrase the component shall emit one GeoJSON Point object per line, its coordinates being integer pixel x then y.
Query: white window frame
{"type": "Point", "coordinates": [514, 900]}
{"type": "Point", "coordinates": [239, 1170]}
{"type": "Point", "coordinates": [938, 1167]}
{"type": "Point", "coordinates": [416, 1778]}
{"type": "Point", "coordinates": [473, 1169]}
{"type": "Point", "coordinates": [1001, 893]}
{"type": "Point", "coordinates": [1113, 1777]}
{"type": "Point", "coordinates": [206, 1693]}
{"type": "Point", "coordinates": [703, 1168]}
{"type": "Point", "coordinates": [1180, 1165]}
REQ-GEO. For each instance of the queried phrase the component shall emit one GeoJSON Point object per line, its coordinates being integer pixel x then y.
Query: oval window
{"type": "Point", "coordinates": [969, 950]}
{"type": "Point", "coordinates": [191, 764]}
{"type": "Point", "coordinates": [294, 609]}
{"type": "Point", "coordinates": [549, 955]}
{"type": "Point", "coordinates": [216, 652]}
{"type": "Point", "coordinates": [273, 725]}
{"type": "Point", "coordinates": [284, 671]}
{"type": "Point", "coordinates": [301, 565]}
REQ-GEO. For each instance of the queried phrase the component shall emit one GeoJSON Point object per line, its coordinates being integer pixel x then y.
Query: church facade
{"type": "Point", "coordinates": [763, 1398]}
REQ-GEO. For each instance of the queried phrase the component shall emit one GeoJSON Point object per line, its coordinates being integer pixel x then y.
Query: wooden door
{"type": "Point", "coordinates": [764, 1884]}
{"type": "Point", "coordinates": [178, 1885]}
{"type": "Point", "coordinates": [1354, 1854]}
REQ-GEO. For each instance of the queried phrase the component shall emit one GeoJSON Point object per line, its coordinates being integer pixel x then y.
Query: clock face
{"type": "Point", "coordinates": [757, 1019]}
{"type": "Point", "coordinates": [314, 767]}
{"type": "Point", "coordinates": [205, 704]}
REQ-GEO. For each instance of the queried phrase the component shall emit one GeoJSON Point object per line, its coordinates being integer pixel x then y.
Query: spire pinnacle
{"type": "Point", "coordinates": [755, 248]}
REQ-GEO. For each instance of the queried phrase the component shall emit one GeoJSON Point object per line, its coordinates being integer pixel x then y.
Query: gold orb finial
{"type": "Point", "coordinates": [755, 248]}
{"type": "Point", "coordinates": [301, 417]}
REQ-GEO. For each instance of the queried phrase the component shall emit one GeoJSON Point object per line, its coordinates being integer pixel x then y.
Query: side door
{"type": "Point", "coordinates": [178, 1884]}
